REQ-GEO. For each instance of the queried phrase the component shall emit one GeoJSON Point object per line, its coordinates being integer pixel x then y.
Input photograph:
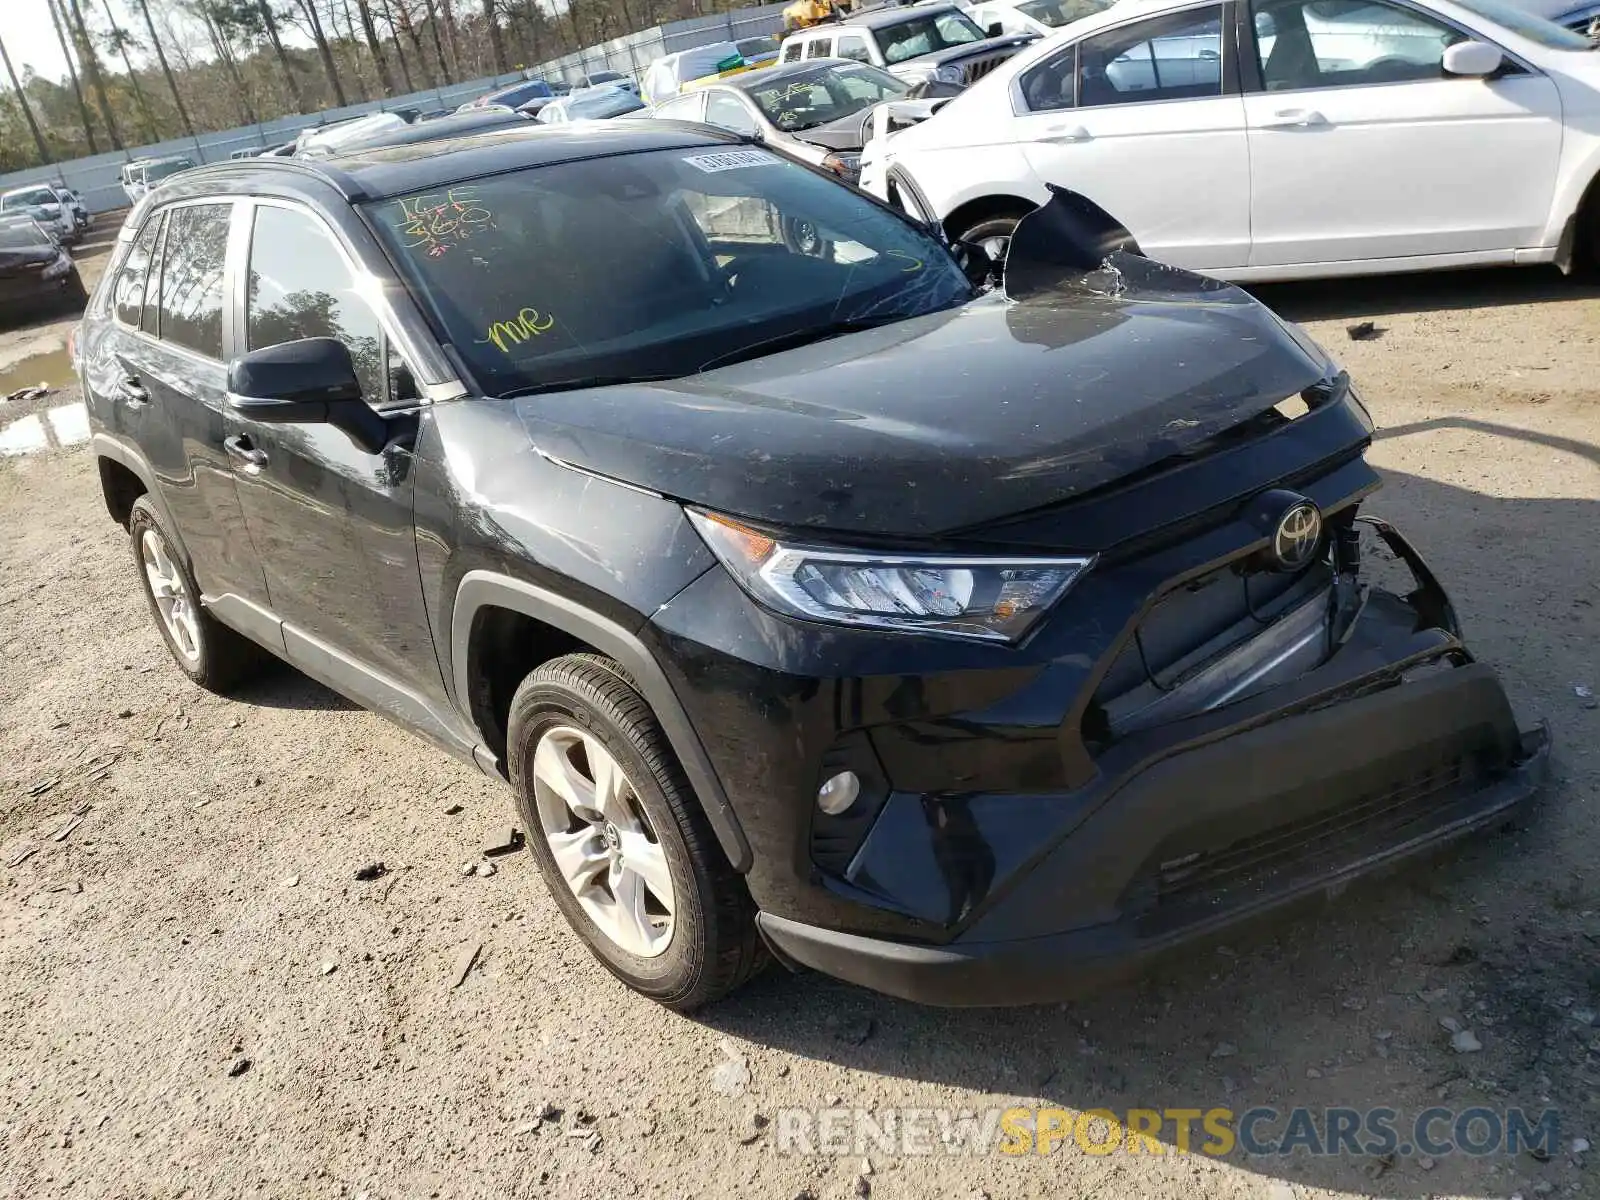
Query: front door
{"type": "Point", "coordinates": [331, 520]}
{"type": "Point", "coordinates": [1363, 149]}
{"type": "Point", "coordinates": [1143, 120]}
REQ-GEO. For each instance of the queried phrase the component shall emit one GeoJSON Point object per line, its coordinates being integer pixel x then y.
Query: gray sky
{"type": "Point", "coordinates": [29, 38]}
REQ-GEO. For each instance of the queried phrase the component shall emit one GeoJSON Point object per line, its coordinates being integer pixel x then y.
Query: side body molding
{"type": "Point", "coordinates": [479, 588]}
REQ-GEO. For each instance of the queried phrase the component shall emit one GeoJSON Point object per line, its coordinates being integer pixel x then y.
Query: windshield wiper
{"type": "Point", "coordinates": [583, 381]}
{"type": "Point", "coordinates": [799, 337]}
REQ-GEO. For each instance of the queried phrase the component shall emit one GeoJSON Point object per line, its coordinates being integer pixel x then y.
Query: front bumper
{"type": "Point", "coordinates": [1234, 796]}
{"type": "Point", "coordinates": [1021, 850]}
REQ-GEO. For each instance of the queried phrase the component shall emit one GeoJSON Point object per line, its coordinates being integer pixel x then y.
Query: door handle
{"type": "Point", "coordinates": [131, 392]}
{"type": "Point", "coordinates": [1064, 133]}
{"type": "Point", "coordinates": [1295, 118]}
{"type": "Point", "coordinates": [242, 452]}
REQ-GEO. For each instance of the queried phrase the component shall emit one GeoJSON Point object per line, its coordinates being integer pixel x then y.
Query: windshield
{"type": "Point", "coordinates": [22, 237]}
{"type": "Point", "coordinates": [817, 95]}
{"type": "Point", "coordinates": [610, 102]}
{"type": "Point", "coordinates": [1056, 13]}
{"type": "Point", "coordinates": [927, 34]}
{"type": "Point", "coordinates": [1525, 24]}
{"type": "Point", "coordinates": [29, 199]}
{"type": "Point", "coordinates": [161, 170]}
{"type": "Point", "coordinates": [760, 47]}
{"type": "Point", "coordinates": [653, 264]}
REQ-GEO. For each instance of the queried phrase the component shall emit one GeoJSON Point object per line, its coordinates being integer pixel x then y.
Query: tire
{"type": "Point", "coordinates": [991, 230]}
{"type": "Point", "coordinates": [74, 296]}
{"type": "Point", "coordinates": [207, 651]}
{"type": "Point", "coordinates": [577, 710]}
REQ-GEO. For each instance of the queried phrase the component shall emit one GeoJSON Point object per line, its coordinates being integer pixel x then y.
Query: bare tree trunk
{"type": "Point", "coordinates": [399, 51]}
{"type": "Point", "coordinates": [121, 41]}
{"type": "Point", "coordinates": [370, 28]}
{"type": "Point", "coordinates": [410, 28]}
{"type": "Point", "coordinates": [91, 67]}
{"type": "Point", "coordinates": [353, 38]}
{"type": "Point", "coordinates": [438, 41]}
{"type": "Point", "coordinates": [27, 109]}
{"type": "Point", "coordinates": [270, 23]}
{"type": "Point", "coordinates": [72, 74]}
{"type": "Point", "coordinates": [495, 44]}
{"type": "Point", "coordinates": [450, 36]}
{"type": "Point", "coordinates": [161, 57]}
{"type": "Point", "coordinates": [220, 45]}
{"type": "Point", "coordinates": [323, 50]}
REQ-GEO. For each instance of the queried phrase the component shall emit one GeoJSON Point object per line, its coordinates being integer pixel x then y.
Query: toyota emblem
{"type": "Point", "coordinates": [1299, 533]}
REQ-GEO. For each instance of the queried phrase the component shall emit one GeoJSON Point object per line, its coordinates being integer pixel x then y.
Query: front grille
{"type": "Point", "coordinates": [1175, 891]}
{"type": "Point", "coordinates": [975, 70]}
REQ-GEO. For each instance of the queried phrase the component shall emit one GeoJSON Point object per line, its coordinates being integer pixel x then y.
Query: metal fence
{"type": "Point", "coordinates": [98, 178]}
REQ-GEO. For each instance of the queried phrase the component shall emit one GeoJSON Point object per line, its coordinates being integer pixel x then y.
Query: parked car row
{"type": "Point", "coordinates": [1279, 139]}
{"type": "Point", "coordinates": [57, 209]}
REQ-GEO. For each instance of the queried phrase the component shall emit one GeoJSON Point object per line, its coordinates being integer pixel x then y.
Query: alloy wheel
{"type": "Point", "coordinates": [171, 595]}
{"type": "Point", "coordinates": [602, 842]}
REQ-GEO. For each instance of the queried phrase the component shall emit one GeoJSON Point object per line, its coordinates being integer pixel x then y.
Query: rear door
{"type": "Point", "coordinates": [333, 521]}
{"type": "Point", "coordinates": [164, 385]}
{"type": "Point", "coordinates": [1363, 149]}
{"type": "Point", "coordinates": [1145, 119]}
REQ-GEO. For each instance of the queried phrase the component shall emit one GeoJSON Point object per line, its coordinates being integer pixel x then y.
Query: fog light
{"type": "Point", "coordinates": [839, 793]}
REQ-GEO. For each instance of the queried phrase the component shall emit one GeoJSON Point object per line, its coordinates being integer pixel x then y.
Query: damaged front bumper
{"type": "Point", "coordinates": [1255, 782]}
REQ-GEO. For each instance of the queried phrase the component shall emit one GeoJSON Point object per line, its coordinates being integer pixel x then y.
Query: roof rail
{"type": "Point", "coordinates": [343, 182]}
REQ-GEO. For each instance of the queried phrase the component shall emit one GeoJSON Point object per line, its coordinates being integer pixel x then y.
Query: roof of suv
{"type": "Point", "coordinates": [888, 14]}
{"type": "Point", "coordinates": [399, 170]}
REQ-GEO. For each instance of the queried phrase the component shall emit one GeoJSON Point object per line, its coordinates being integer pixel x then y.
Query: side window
{"type": "Point", "coordinates": [727, 111]}
{"type": "Point", "coordinates": [791, 52]}
{"type": "Point", "coordinates": [1343, 43]}
{"type": "Point", "coordinates": [151, 323]}
{"type": "Point", "coordinates": [853, 45]}
{"type": "Point", "coordinates": [684, 108]}
{"type": "Point", "coordinates": [191, 277]}
{"type": "Point", "coordinates": [1172, 57]}
{"type": "Point", "coordinates": [819, 48]}
{"type": "Point", "coordinates": [127, 293]}
{"type": "Point", "coordinates": [1049, 85]}
{"type": "Point", "coordinates": [301, 288]}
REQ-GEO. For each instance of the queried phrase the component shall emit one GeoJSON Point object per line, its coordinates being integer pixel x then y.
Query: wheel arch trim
{"type": "Point", "coordinates": [104, 445]}
{"type": "Point", "coordinates": [480, 588]}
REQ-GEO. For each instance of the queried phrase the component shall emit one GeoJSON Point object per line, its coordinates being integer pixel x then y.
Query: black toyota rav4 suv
{"type": "Point", "coordinates": [972, 643]}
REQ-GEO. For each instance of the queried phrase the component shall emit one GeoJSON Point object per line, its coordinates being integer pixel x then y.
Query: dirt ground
{"type": "Point", "coordinates": [205, 910]}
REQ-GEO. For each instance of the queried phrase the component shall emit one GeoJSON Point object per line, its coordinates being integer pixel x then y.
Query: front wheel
{"type": "Point", "coordinates": [624, 847]}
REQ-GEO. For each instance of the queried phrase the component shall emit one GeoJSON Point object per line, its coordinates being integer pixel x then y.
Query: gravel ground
{"type": "Point", "coordinates": [198, 997]}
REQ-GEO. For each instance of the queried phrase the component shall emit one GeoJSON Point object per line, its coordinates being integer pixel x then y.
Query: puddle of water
{"type": "Point", "coordinates": [64, 425]}
{"type": "Point", "coordinates": [53, 370]}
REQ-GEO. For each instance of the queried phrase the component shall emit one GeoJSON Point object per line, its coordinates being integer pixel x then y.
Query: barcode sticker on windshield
{"type": "Point", "coordinates": [730, 160]}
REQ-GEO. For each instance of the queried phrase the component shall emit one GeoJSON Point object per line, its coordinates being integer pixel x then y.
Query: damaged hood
{"type": "Point", "coordinates": [945, 421]}
{"type": "Point", "coordinates": [843, 134]}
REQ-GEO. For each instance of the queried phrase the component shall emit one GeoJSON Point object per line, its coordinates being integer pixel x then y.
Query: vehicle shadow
{"type": "Point", "coordinates": [1430, 291]}
{"type": "Point", "coordinates": [281, 686]}
{"type": "Point", "coordinates": [1340, 1007]}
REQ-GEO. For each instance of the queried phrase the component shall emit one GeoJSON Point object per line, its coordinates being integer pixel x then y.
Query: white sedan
{"type": "Point", "coordinates": [1280, 139]}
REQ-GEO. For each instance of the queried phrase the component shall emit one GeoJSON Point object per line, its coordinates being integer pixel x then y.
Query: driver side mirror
{"type": "Point", "coordinates": [309, 382]}
{"type": "Point", "coordinates": [996, 29]}
{"type": "Point", "coordinates": [1472, 60]}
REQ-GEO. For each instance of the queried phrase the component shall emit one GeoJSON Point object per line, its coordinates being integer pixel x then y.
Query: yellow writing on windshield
{"type": "Point", "coordinates": [436, 222]}
{"type": "Point", "coordinates": [528, 323]}
{"type": "Point", "coordinates": [913, 264]}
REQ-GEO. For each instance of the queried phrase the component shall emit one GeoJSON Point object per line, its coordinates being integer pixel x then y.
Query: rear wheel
{"type": "Point", "coordinates": [625, 850]}
{"type": "Point", "coordinates": [207, 651]}
{"type": "Point", "coordinates": [993, 234]}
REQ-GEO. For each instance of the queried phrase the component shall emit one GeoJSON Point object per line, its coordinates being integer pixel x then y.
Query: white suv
{"type": "Point", "coordinates": [1281, 139]}
{"type": "Point", "coordinates": [919, 43]}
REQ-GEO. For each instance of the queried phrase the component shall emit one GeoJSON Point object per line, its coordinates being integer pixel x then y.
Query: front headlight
{"type": "Point", "coordinates": [58, 267]}
{"type": "Point", "coordinates": [947, 74]}
{"type": "Point", "coordinates": [991, 599]}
